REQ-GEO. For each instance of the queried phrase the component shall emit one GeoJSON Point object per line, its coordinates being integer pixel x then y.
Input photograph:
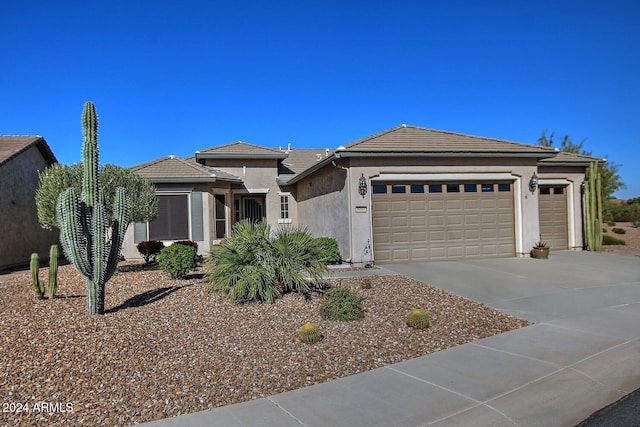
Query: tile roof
{"type": "Point", "coordinates": [301, 159]}
{"type": "Point", "coordinates": [414, 139]}
{"type": "Point", "coordinates": [239, 149]}
{"type": "Point", "coordinates": [566, 158]}
{"type": "Point", "coordinates": [176, 169]}
{"type": "Point", "coordinates": [11, 146]}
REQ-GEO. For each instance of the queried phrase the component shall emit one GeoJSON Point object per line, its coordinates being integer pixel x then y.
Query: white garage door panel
{"type": "Point", "coordinates": [447, 225]}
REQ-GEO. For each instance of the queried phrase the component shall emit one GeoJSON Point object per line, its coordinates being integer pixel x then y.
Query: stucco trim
{"type": "Point", "coordinates": [443, 176]}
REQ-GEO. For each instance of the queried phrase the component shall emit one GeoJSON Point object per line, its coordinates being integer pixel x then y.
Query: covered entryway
{"type": "Point", "coordinates": [424, 221]}
{"type": "Point", "coordinates": [554, 227]}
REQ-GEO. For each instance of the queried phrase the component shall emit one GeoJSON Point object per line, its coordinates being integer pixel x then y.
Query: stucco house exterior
{"type": "Point", "coordinates": [22, 158]}
{"type": "Point", "coordinates": [406, 193]}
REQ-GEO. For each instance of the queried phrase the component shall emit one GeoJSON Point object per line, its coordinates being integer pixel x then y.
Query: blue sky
{"type": "Point", "coordinates": [171, 77]}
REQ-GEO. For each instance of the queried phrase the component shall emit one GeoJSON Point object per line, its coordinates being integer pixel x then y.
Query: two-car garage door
{"type": "Point", "coordinates": [419, 221]}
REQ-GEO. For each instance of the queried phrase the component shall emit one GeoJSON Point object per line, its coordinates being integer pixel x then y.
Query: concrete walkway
{"type": "Point", "coordinates": [582, 353]}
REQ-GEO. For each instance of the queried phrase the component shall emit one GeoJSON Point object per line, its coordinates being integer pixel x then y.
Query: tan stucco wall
{"type": "Point", "coordinates": [572, 177]}
{"type": "Point", "coordinates": [20, 233]}
{"type": "Point", "coordinates": [322, 204]}
{"type": "Point", "coordinates": [519, 171]}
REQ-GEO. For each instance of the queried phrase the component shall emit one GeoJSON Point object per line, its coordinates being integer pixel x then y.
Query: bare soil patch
{"type": "Point", "coordinates": [168, 347]}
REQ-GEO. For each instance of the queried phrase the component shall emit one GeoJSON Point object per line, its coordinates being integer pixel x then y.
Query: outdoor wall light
{"type": "Point", "coordinates": [362, 186]}
{"type": "Point", "coordinates": [533, 182]}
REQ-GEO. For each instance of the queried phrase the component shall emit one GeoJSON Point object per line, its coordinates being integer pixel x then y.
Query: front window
{"type": "Point", "coordinates": [220, 216]}
{"type": "Point", "coordinates": [172, 222]}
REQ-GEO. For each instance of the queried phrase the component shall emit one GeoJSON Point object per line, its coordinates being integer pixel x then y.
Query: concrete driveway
{"type": "Point", "coordinates": [567, 284]}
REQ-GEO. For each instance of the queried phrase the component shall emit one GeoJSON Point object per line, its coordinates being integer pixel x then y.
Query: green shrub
{"type": "Point", "coordinates": [365, 283]}
{"type": "Point", "coordinates": [177, 260]}
{"type": "Point", "coordinates": [149, 249]}
{"type": "Point", "coordinates": [611, 223]}
{"type": "Point", "coordinates": [309, 333]}
{"type": "Point", "coordinates": [340, 303]}
{"type": "Point", "coordinates": [619, 230]}
{"type": "Point", "coordinates": [610, 240]}
{"type": "Point", "coordinates": [329, 252]}
{"type": "Point", "coordinates": [418, 319]}
{"type": "Point", "coordinates": [253, 266]}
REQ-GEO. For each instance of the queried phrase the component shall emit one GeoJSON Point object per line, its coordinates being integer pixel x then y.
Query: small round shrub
{"type": "Point", "coordinates": [418, 318]}
{"type": "Point", "coordinates": [309, 333]}
{"type": "Point", "coordinates": [619, 230]}
{"type": "Point", "coordinates": [365, 283]}
{"type": "Point", "coordinates": [177, 260]}
{"type": "Point", "coordinates": [610, 240]}
{"type": "Point", "coordinates": [149, 249]}
{"type": "Point", "coordinates": [611, 223]}
{"type": "Point", "coordinates": [340, 303]}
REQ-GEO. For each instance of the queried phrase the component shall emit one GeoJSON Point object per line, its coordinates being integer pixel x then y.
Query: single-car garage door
{"type": "Point", "coordinates": [436, 221]}
{"type": "Point", "coordinates": [554, 227]}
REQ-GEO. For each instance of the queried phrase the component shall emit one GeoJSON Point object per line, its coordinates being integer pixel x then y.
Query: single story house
{"type": "Point", "coordinates": [406, 193]}
{"type": "Point", "coordinates": [22, 158]}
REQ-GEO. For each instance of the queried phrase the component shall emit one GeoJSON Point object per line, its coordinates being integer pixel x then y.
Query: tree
{"type": "Point", "coordinates": [609, 177]}
{"type": "Point", "coordinates": [58, 177]}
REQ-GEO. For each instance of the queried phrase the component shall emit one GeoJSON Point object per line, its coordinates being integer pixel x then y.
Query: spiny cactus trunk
{"type": "Point", "coordinates": [53, 270]}
{"type": "Point", "coordinates": [84, 225]}
{"type": "Point", "coordinates": [593, 208]}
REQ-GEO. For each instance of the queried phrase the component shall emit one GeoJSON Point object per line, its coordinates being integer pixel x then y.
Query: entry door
{"type": "Point", "coordinates": [250, 207]}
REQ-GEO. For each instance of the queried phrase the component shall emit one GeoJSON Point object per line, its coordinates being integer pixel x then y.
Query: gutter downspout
{"type": "Point", "coordinates": [333, 162]}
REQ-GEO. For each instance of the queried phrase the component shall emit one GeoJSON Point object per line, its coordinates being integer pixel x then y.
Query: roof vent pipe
{"type": "Point", "coordinates": [326, 152]}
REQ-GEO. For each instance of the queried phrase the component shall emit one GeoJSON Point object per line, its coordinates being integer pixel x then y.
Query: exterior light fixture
{"type": "Point", "coordinates": [362, 186]}
{"type": "Point", "coordinates": [533, 182]}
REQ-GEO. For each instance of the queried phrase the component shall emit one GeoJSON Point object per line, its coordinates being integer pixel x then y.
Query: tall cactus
{"type": "Point", "coordinates": [593, 208]}
{"type": "Point", "coordinates": [35, 270]}
{"type": "Point", "coordinates": [92, 242]}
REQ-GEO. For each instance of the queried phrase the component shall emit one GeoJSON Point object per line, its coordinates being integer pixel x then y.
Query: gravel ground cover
{"type": "Point", "coordinates": [168, 347]}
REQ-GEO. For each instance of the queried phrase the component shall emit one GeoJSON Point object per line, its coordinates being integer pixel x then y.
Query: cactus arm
{"type": "Point", "coordinates": [35, 269]}
{"type": "Point", "coordinates": [72, 233]}
{"type": "Point", "coordinates": [118, 229]}
{"type": "Point", "coordinates": [53, 270]}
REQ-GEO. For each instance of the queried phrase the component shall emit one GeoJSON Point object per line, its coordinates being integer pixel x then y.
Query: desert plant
{"type": "Point", "coordinates": [418, 319]}
{"type": "Point", "coordinates": [92, 242]}
{"type": "Point", "coordinates": [365, 283]}
{"type": "Point", "coordinates": [610, 240]}
{"type": "Point", "coordinates": [148, 249]}
{"type": "Point", "coordinates": [295, 255]}
{"type": "Point", "coordinates": [309, 333]}
{"type": "Point", "coordinates": [611, 223]}
{"type": "Point", "coordinates": [241, 268]}
{"type": "Point", "coordinates": [177, 259]}
{"type": "Point", "coordinates": [38, 285]}
{"type": "Point", "coordinates": [329, 250]}
{"type": "Point", "coordinates": [619, 230]}
{"type": "Point", "coordinates": [53, 271]}
{"type": "Point", "coordinates": [252, 265]}
{"type": "Point", "coordinates": [593, 208]}
{"type": "Point", "coordinates": [339, 303]}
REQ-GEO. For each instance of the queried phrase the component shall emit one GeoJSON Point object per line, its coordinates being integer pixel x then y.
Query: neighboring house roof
{"type": "Point", "coordinates": [412, 140]}
{"type": "Point", "coordinates": [570, 159]}
{"type": "Point", "coordinates": [12, 146]}
{"type": "Point", "coordinates": [240, 150]}
{"type": "Point", "coordinates": [301, 159]}
{"type": "Point", "coordinates": [172, 169]}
